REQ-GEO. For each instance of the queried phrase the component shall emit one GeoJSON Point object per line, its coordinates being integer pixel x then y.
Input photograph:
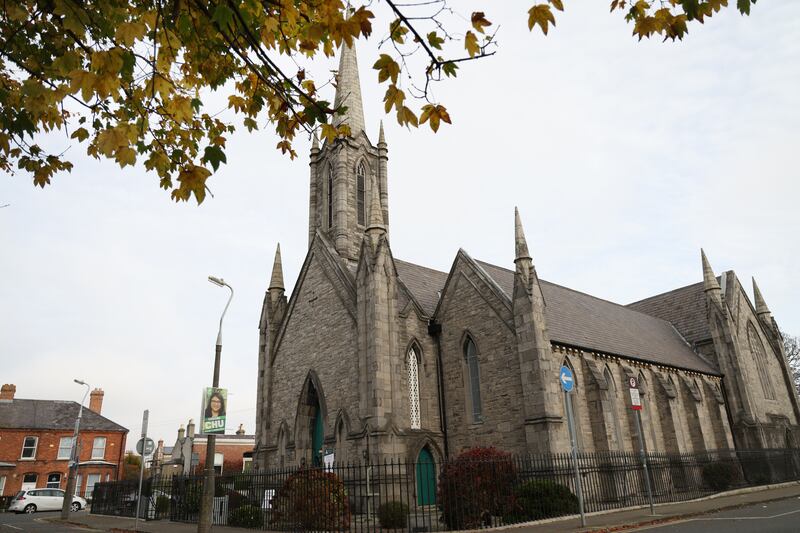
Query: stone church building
{"type": "Point", "coordinates": [375, 356]}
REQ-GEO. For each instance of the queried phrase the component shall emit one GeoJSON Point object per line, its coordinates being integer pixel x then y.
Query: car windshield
{"type": "Point", "coordinates": [21, 494]}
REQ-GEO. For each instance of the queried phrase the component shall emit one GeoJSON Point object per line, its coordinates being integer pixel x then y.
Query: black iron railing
{"type": "Point", "coordinates": [456, 494]}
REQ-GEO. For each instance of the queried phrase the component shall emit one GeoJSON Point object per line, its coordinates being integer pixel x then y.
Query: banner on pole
{"type": "Point", "coordinates": [215, 401]}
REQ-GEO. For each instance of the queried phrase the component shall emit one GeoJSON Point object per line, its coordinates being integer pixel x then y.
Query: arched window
{"type": "Point", "coordinates": [760, 357]}
{"type": "Point", "coordinates": [474, 384]}
{"type": "Point", "coordinates": [330, 196]}
{"type": "Point", "coordinates": [361, 193]}
{"type": "Point", "coordinates": [413, 388]}
{"type": "Point", "coordinates": [576, 416]}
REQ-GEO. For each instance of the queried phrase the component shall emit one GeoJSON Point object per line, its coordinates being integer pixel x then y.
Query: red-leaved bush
{"type": "Point", "coordinates": [311, 499]}
{"type": "Point", "coordinates": [475, 486]}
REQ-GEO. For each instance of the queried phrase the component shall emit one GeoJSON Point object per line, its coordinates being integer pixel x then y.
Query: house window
{"type": "Point", "coordinates": [78, 480]}
{"type": "Point", "coordinates": [218, 460]}
{"type": "Point", "coordinates": [29, 447]}
{"type": "Point", "coordinates": [29, 481]}
{"type": "Point", "coordinates": [330, 196]}
{"type": "Point", "coordinates": [91, 480]}
{"type": "Point", "coordinates": [2, 485]}
{"type": "Point", "coordinates": [361, 192]}
{"type": "Point", "coordinates": [54, 481]}
{"type": "Point", "coordinates": [757, 349]}
{"type": "Point", "coordinates": [474, 383]}
{"type": "Point", "coordinates": [247, 464]}
{"type": "Point", "coordinates": [99, 448]}
{"type": "Point", "coordinates": [413, 388]}
{"type": "Point", "coordinates": [64, 448]}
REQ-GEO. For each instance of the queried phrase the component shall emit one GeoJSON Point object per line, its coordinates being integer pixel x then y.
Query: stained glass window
{"type": "Point", "coordinates": [471, 355]}
{"type": "Point", "coordinates": [413, 388]}
{"type": "Point", "coordinates": [361, 173]}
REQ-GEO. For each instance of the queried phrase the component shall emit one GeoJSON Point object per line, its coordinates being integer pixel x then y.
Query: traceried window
{"type": "Point", "coordinates": [615, 414]}
{"type": "Point", "coordinates": [474, 383]}
{"type": "Point", "coordinates": [413, 388]}
{"type": "Point", "coordinates": [330, 196]}
{"type": "Point", "coordinates": [361, 192]}
{"type": "Point", "coordinates": [29, 447]}
{"type": "Point", "coordinates": [757, 349]}
{"type": "Point", "coordinates": [64, 448]}
{"type": "Point", "coordinates": [99, 448]}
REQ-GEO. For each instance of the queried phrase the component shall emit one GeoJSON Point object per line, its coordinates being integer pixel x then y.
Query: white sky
{"type": "Point", "coordinates": [623, 157]}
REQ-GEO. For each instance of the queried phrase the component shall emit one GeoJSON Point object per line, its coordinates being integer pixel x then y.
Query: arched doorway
{"type": "Point", "coordinates": [426, 478]}
{"type": "Point", "coordinates": [317, 435]}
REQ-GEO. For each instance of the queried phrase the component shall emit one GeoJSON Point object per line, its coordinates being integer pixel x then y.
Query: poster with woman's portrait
{"type": "Point", "coordinates": [214, 404]}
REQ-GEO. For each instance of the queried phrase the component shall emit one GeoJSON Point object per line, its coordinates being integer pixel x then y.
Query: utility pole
{"type": "Point", "coordinates": [205, 522]}
{"type": "Point", "coordinates": [74, 458]}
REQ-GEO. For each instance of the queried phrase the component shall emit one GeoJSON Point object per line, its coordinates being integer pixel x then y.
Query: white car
{"type": "Point", "coordinates": [32, 500]}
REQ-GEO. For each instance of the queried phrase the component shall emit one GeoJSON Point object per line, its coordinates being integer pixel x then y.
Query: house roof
{"type": "Point", "coordinates": [51, 414]}
{"type": "Point", "coordinates": [577, 319]}
{"type": "Point", "coordinates": [685, 308]}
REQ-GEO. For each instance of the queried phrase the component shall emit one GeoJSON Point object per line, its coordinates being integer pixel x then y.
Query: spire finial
{"type": "Point", "coordinates": [375, 209]}
{"type": "Point", "coordinates": [277, 272]}
{"type": "Point", "coordinates": [348, 91]}
{"type": "Point", "coordinates": [710, 282]}
{"type": "Point", "coordinates": [520, 244]}
{"type": "Point", "coordinates": [314, 142]}
{"type": "Point", "coordinates": [381, 137]}
{"type": "Point", "coordinates": [761, 305]}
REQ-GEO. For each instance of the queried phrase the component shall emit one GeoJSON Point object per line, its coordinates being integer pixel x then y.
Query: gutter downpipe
{"type": "Point", "coordinates": [435, 330]}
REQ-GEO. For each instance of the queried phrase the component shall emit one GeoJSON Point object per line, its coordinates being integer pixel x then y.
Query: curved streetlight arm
{"type": "Point", "coordinates": [221, 283]}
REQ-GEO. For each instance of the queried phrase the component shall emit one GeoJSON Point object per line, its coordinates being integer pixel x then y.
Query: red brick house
{"type": "Point", "coordinates": [36, 439]}
{"type": "Point", "coordinates": [233, 453]}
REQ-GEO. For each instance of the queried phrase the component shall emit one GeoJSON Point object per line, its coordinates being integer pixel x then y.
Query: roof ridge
{"type": "Point", "coordinates": [661, 294]}
{"type": "Point", "coordinates": [541, 280]}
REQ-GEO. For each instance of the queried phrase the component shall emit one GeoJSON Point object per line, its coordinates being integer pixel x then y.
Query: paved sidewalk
{"type": "Point", "coordinates": [598, 522]}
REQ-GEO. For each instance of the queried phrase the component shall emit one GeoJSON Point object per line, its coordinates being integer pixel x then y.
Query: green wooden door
{"type": "Point", "coordinates": [317, 436]}
{"type": "Point", "coordinates": [426, 478]}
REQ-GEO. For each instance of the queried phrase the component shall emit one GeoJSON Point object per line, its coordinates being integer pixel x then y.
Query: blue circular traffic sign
{"type": "Point", "coordinates": [566, 378]}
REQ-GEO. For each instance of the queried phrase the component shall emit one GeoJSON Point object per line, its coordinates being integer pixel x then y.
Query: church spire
{"type": "Point", "coordinates": [761, 304]}
{"type": "Point", "coordinates": [348, 91]}
{"type": "Point", "coordinates": [520, 244]}
{"type": "Point", "coordinates": [277, 272]}
{"type": "Point", "coordinates": [376, 225]}
{"type": "Point", "coordinates": [710, 282]}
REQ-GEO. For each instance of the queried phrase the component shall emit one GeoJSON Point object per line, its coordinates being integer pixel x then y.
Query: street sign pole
{"type": "Point", "coordinates": [567, 381]}
{"type": "Point", "coordinates": [573, 445]}
{"type": "Point", "coordinates": [644, 460]}
{"type": "Point", "coordinates": [141, 469]}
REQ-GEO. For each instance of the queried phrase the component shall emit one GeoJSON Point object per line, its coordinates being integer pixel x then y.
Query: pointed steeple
{"type": "Point", "coordinates": [381, 137]}
{"type": "Point", "coordinates": [376, 224]}
{"type": "Point", "coordinates": [277, 272]}
{"type": "Point", "coordinates": [314, 143]}
{"type": "Point", "coordinates": [710, 282]}
{"type": "Point", "coordinates": [520, 244]}
{"type": "Point", "coordinates": [761, 305]}
{"type": "Point", "coordinates": [348, 91]}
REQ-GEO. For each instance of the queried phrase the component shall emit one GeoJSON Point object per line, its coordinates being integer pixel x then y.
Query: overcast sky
{"type": "Point", "coordinates": [623, 157]}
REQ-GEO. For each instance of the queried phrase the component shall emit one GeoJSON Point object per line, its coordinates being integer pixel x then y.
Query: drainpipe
{"type": "Point", "coordinates": [435, 330]}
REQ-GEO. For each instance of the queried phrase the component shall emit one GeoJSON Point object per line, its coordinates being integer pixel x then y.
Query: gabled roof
{"type": "Point", "coordinates": [685, 308]}
{"type": "Point", "coordinates": [51, 414]}
{"type": "Point", "coordinates": [578, 319]}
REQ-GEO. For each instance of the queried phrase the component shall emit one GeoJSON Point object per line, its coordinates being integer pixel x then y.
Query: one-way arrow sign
{"type": "Point", "coordinates": [566, 379]}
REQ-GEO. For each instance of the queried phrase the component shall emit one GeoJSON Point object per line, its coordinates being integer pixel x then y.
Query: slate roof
{"type": "Point", "coordinates": [51, 414]}
{"type": "Point", "coordinates": [685, 308]}
{"type": "Point", "coordinates": [577, 319]}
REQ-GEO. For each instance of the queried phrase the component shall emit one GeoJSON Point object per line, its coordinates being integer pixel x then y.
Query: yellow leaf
{"type": "Point", "coordinates": [387, 68]}
{"type": "Point", "coordinates": [81, 134]}
{"type": "Point", "coordinates": [541, 15]}
{"type": "Point", "coordinates": [394, 98]}
{"type": "Point", "coordinates": [192, 180]}
{"type": "Point", "coordinates": [557, 4]}
{"type": "Point", "coordinates": [471, 44]}
{"type": "Point", "coordinates": [129, 32]}
{"type": "Point", "coordinates": [329, 132]}
{"type": "Point", "coordinates": [406, 117]}
{"type": "Point", "coordinates": [435, 114]}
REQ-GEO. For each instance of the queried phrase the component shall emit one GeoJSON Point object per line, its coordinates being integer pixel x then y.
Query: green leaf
{"type": "Point", "coordinates": [214, 155]}
{"type": "Point", "coordinates": [222, 16]}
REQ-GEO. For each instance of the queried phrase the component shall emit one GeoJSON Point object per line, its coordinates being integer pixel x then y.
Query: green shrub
{"type": "Point", "coordinates": [541, 498]}
{"type": "Point", "coordinates": [243, 482]}
{"type": "Point", "coordinates": [719, 476]}
{"type": "Point", "coordinates": [393, 515]}
{"type": "Point", "coordinates": [311, 499]}
{"type": "Point", "coordinates": [162, 504]}
{"type": "Point", "coordinates": [246, 516]}
{"type": "Point", "coordinates": [475, 486]}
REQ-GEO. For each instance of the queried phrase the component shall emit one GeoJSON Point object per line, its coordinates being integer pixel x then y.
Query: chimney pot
{"type": "Point", "coordinates": [240, 431]}
{"type": "Point", "coordinates": [7, 391]}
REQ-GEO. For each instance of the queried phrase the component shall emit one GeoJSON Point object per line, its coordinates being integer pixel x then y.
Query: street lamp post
{"type": "Point", "coordinates": [204, 523]}
{"type": "Point", "coordinates": [74, 457]}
